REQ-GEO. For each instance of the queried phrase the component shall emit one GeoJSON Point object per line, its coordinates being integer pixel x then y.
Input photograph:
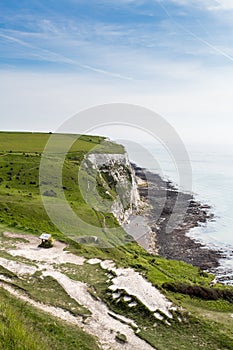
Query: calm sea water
{"type": "Point", "coordinates": [212, 183]}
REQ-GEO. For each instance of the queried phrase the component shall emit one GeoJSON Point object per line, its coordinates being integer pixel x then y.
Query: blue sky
{"type": "Point", "coordinates": [173, 56]}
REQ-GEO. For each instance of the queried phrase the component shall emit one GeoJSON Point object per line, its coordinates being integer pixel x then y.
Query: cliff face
{"type": "Point", "coordinates": [118, 180]}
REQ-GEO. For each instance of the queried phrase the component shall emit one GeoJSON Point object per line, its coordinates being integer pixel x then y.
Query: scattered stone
{"type": "Point", "coordinates": [116, 295]}
{"type": "Point", "coordinates": [162, 196]}
{"type": "Point", "coordinates": [127, 298]}
{"type": "Point", "coordinates": [93, 261]}
{"type": "Point", "coordinates": [100, 322]}
{"type": "Point", "coordinates": [158, 316]}
{"type": "Point", "coordinates": [133, 304]}
{"type": "Point", "coordinates": [88, 240]}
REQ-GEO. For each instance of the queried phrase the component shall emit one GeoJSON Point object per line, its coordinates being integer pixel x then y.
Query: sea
{"type": "Point", "coordinates": [212, 183]}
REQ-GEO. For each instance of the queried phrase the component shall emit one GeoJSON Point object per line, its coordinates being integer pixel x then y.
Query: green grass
{"type": "Point", "coordinates": [6, 273]}
{"type": "Point", "coordinates": [43, 289]}
{"type": "Point", "coordinates": [208, 324]}
{"type": "Point", "coordinates": [93, 275]}
{"type": "Point", "coordinates": [20, 190]}
{"type": "Point", "coordinates": [205, 324]}
{"type": "Point", "coordinates": [48, 291]}
{"type": "Point", "coordinates": [193, 334]}
{"type": "Point", "coordinates": [22, 327]}
{"type": "Point", "coordinates": [35, 142]}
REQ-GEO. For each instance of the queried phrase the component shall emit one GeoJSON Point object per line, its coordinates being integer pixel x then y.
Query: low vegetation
{"type": "Point", "coordinates": [200, 323]}
{"type": "Point", "coordinates": [20, 157]}
{"type": "Point", "coordinates": [22, 327]}
{"type": "Point", "coordinates": [200, 292]}
{"type": "Point", "coordinates": [204, 317]}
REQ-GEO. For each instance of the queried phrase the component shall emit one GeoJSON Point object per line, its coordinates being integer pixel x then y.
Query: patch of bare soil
{"type": "Point", "coordinates": [100, 324]}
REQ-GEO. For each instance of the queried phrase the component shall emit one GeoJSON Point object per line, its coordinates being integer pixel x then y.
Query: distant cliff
{"type": "Point", "coordinates": [114, 174]}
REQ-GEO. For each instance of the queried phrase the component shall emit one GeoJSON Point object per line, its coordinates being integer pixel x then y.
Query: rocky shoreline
{"type": "Point", "coordinates": [161, 195]}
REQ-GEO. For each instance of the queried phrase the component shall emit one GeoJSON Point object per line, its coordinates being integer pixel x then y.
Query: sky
{"type": "Point", "coordinates": [174, 57]}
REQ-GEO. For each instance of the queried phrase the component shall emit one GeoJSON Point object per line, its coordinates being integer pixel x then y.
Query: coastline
{"type": "Point", "coordinates": [175, 245]}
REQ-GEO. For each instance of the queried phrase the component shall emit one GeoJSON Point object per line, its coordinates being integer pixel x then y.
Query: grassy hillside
{"type": "Point", "coordinates": [25, 328]}
{"type": "Point", "coordinates": [20, 199]}
{"type": "Point", "coordinates": [35, 142]}
{"type": "Point", "coordinates": [205, 323]}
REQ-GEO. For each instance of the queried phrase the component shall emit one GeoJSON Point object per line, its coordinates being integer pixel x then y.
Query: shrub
{"type": "Point", "coordinates": [199, 292]}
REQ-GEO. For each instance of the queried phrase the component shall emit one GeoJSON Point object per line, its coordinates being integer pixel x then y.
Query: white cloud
{"type": "Point", "coordinates": [208, 4]}
{"type": "Point", "coordinates": [168, 64]}
{"type": "Point", "coordinates": [200, 108]}
{"type": "Point", "coordinates": [56, 57]}
{"type": "Point", "coordinates": [221, 5]}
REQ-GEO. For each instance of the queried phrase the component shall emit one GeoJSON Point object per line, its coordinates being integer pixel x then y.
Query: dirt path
{"type": "Point", "coordinates": [55, 311]}
{"type": "Point", "coordinates": [100, 324]}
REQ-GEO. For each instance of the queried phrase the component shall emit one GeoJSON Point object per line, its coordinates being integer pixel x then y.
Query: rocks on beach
{"type": "Point", "coordinates": [175, 244]}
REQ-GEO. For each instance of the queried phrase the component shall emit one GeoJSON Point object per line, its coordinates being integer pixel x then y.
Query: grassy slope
{"type": "Point", "coordinates": [20, 156]}
{"type": "Point", "coordinates": [25, 328]}
{"type": "Point", "coordinates": [208, 325]}
{"type": "Point", "coordinates": [36, 142]}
